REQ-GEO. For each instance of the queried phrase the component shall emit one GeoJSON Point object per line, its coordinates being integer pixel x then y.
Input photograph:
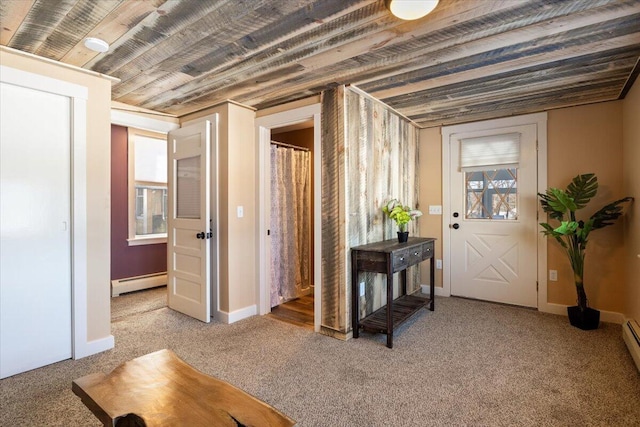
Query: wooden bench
{"type": "Point", "coordinates": [165, 391]}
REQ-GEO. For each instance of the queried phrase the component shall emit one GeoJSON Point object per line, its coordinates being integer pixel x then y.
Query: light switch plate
{"type": "Point", "coordinates": [435, 210]}
{"type": "Point", "coordinates": [240, 211]}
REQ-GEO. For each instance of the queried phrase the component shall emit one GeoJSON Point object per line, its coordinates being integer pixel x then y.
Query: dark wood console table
{"type": "Point", "coordinates": [390, 257]}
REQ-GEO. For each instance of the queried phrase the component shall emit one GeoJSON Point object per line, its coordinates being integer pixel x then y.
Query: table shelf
{"type": "Point", "coordinates": [403, 308]}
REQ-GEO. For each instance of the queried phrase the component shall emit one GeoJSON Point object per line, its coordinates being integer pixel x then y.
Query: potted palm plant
{"type": "Point", "coordinates": [572, 234]}
{"type": "Point", "coordinates": [401, 215]}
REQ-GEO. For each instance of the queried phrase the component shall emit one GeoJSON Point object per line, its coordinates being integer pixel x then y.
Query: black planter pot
{"type": "Point", "coordinates": [586, 320]}
{"type": "Point", "coordinates": [403, 236]}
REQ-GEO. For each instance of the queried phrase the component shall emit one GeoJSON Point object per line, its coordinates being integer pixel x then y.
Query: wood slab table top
{"type": "Point", "coordinates": [166, 391]}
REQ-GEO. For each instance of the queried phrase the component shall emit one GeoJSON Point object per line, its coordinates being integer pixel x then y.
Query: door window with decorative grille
{"type": "Point", "coordinates": [492, 194]}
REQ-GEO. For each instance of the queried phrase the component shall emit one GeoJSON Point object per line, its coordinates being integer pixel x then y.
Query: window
{"type": "Point", "coordinates": [490, 166]}
{"type": "Point", "coordinates": [492, 194]}
{"type": "Point", "coordinates": [147, 187]}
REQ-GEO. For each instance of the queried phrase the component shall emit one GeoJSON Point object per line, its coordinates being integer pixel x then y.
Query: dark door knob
{"type": "Point", "coordinates": [456, 226]}
{"type": "Point", "coordinates": [455, 214]}
{"type": "Point", "coordinates": [200, 235]}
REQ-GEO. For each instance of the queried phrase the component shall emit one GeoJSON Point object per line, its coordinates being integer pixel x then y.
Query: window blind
{"type": "Point", "coordinates": [150, 159]}
{"type": "Point", "coordinates": [482, 153]}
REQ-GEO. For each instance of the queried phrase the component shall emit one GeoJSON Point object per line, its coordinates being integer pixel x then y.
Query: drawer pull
{"type": "Point", "coordinates": [401, 258]}
{"type": "Point", "coordinates": [415, 253]}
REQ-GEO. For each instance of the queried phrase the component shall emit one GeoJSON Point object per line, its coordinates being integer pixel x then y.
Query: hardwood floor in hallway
{"type": "Point", "coordinates": [298, 311]}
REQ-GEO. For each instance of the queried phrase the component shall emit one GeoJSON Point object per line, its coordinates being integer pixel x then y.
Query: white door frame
{"type": "Point", "coordinates": [540, 120]}
{"type": "Point", "coordinates": [263, 138]}
{"type": "Point", "coordinates": [81, 346]}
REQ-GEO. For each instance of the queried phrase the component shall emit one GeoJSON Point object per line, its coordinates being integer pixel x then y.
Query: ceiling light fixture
{"type": "Point", "coordinates": [96, 44]}
{"type": "Point", "coordinates": [411, 9]}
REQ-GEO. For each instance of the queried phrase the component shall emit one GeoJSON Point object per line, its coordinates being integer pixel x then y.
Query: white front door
{"type": "Point", "coordinates": [35, 229]}
{"type": "Point", "coordinates": [189, 222]}
{"type": "Point", "coordinates": [492, 220]}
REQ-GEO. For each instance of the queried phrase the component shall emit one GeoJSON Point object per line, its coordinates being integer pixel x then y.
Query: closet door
{"type": "Point", "coordinates": [35, 214]}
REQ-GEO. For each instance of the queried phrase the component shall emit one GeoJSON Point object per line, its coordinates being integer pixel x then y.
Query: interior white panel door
{"type": "Point", "coordinates": [494, 258]}
{"type": "Point", "coordinates": [35, 218]}
{"type": "Point", "coordinates": [189, 223]}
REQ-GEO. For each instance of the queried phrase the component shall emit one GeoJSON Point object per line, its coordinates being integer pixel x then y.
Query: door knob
{"type": "Point", "coordinates": [200, 235]}
{"type": "Point", "coordinates": [456, 226]}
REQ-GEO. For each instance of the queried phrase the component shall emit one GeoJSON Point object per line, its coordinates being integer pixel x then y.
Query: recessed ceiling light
{"type": "Point", "coordinates": [411, 9]}
{"type": "Point", "coordinates": [96, 44]}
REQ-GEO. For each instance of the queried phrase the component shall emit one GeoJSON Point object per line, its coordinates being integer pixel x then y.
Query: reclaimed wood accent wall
{"type": "Point", "coordinates": [334, 251]}
{"type": "Point", "coordinates": [369, 155]}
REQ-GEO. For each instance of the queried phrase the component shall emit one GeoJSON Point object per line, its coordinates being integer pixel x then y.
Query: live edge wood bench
{"type": "Point", "coordinates": [164, 390]}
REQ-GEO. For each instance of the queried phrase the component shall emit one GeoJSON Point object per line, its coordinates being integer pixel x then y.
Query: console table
{"type": "Point", "coordinates": [390, 257]}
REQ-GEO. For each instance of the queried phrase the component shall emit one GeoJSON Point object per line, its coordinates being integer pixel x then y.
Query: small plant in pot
{"type": "Point", "coordinates": [402, 215]}
{"type": "Point", "coordinates": [572, 234]}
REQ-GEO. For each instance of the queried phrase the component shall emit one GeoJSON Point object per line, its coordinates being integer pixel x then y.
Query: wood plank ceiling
{"type": "Point", "coordinates": [467, 60]}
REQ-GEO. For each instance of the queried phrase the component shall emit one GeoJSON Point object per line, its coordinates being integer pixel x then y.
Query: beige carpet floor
{"type": "Point", "coordinates": [468, 363]}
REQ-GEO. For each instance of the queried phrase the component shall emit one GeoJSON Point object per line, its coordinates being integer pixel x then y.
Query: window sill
{"type": "Point", "coordinates": [150, 240]}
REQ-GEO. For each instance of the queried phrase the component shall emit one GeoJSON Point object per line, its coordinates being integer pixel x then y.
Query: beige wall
{"type": "Point", "coordinates": [98, 176]}
{"type": "Point", "coordinates": [580, 140]}
{"type": "Point", "coordinates": [631, 185]}
{"type": "Point", "coordinates": [237, 187]}
{"type": "Point", "coordinates": [430, 169]}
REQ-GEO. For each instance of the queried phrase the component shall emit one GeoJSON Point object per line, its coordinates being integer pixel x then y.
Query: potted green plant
{"type": "Point", "coordinates": [402, 215]}
{"type": "Point", "coordinates": [572, 234]}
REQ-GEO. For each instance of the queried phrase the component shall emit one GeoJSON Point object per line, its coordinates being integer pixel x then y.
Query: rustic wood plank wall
{"type": "Point", "coordinates": [334, 304]}
{"type": "Point", "coordinates": [370, 154]}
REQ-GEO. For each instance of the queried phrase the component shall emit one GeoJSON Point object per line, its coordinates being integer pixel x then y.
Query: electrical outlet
{"type": "Point", "coordinates": [438, 264]}
{"type": "Point", "coordinates": [553, 275]}
{"type": "Point", "coordinates": [435, 210]}
{"type": "Point", "coordinates": [240, 211]}
{"type": "Point", "coordinates": [361, 289]}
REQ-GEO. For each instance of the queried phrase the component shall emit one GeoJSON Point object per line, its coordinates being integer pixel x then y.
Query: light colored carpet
{"type": "Point", "coordinates": [468, 363]}
{"type": "Point", "coordinates": [138, 302]}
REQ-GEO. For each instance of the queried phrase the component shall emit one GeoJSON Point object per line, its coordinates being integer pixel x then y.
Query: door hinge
{"type": "Point", "coordinates": [537, 285]}
{"type": "Point", "coordinates": [268, 232]}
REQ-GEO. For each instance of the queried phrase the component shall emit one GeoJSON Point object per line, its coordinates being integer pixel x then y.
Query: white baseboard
{"type": "Point", "coordinates": [236, 315]}
{"type": "Point", "coordinates": [130, 284]}
{"type": "Point", "coordinates": [93, 347]}
{"type": "Point", "coordinates": [605, 316]}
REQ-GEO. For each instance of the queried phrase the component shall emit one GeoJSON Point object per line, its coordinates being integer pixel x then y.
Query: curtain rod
{"type": "Point", "coordinates": [295, 147]}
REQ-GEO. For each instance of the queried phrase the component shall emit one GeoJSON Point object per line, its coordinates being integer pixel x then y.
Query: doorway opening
{"type": "Point", "coordinates": [138, 302]}
{"type": "Point", "coordinates": [290, 227]}
{"type": "Point", "coordinates": [294, 133]}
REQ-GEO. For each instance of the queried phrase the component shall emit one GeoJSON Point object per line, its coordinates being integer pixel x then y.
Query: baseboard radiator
{"type": "Point", "coordinates": [631, 335]}
{"type": "Point", "coordinates": [130, 284]}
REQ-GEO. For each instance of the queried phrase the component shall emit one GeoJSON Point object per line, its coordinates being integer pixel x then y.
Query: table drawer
{"type": "Point", "coordinates": [401, 260]}
{"type": "Point", "coordinates": [407, 257]}
{"type": "Point", "coordinates": [427, 250]}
